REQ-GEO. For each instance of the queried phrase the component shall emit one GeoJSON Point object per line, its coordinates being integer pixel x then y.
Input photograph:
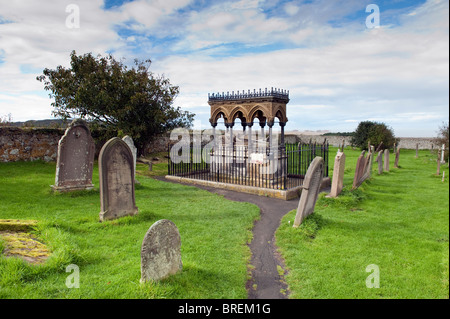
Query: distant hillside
{"type": "Point", "coordinates": [339, 134]}
{"type": "Point", "coordinates": [49, 123]}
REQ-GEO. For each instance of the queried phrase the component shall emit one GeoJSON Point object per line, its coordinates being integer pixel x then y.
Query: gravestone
{"type": "Point", "coordinates": [127, 139]}
{"type": "Point", "coordinates": [379, 147]}
{"type": "Point", "coordinates": [380, 162]}
{"type": "Point", "coordinates": [359, 170]}
{"type": "Point", "coordinates": [397, 155]}
{"type": "Point", "coordinates": [310, 190]}
{"type": "Point", "coordinates": [442, 154]}
{"type": "Point", "coordinates": [386, 160]}
{"type": "Point", "coordinates": [116, 176]}
{"type": "Point", "coordinates": [161, 251]}
{"type": "Point", "coordinates": [338, 175]}
{"type": "Point", "coordinates": [417, 150]}
{"type": "Point", "coordinates": [363, 167]}
{"type": "Point", "coordinates": [75, 161]}
{"type": "Point", "coordinates": [438, 172]}
{"type": "Point", "coordinates": [368, 163]}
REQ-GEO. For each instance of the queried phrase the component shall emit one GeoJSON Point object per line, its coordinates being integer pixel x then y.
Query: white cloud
{"type": "Point", "coordinates": [337, 75]}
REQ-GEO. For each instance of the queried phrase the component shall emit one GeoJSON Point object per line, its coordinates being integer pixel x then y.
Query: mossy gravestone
{"type": "Point", "coordinates": [75, 160]}
{"type": "Point", "coordinates": [161, 251]}
{"type": "Point", "coordinates": [116, 174]}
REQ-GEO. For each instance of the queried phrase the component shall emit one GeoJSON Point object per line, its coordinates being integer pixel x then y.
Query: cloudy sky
{"type": "Point", "coordinates": [338, 67]}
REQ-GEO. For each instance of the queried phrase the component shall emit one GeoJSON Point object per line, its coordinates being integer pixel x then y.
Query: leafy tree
{"type": "Point", "coordinates": [375, 133]}
{"type": "Point", "coordinates": [114, 98]}
{"type": "Point", "coordinates": [6, 120]}
{"type": "Point", "coordinates": [443, 138]}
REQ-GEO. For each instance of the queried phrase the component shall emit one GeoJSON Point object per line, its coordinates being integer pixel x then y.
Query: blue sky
{"type": "Point", "coordinates": [338, 71]}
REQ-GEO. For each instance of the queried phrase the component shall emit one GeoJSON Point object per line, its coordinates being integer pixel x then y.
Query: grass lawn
{"type": "Point", "coordinates": [398, 221]}
{"type": "Point", "coordinates": [214, 236]}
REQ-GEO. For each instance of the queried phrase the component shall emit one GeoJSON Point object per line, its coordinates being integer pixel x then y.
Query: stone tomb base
{"type": "Point", "coordinates": [286, 194]}
{"type": "Point", "coordinates": [71, 188]}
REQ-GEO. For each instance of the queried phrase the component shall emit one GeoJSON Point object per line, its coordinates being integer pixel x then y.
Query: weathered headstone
{"type": "Point", "coordinates": [368, 163]}
{"type": "Point", "coordinates": [442, 154]}
{"type": "Point", "coordinates": [380, 162]}
{"type": "Point", "coordinates": [363, 167]}
{"type": "Point", "coordinates": [338, 175]}
{"type": "Point", "coordinates": [75, 161]}
{"type": "Point", "coordinates": [386, 160]}
{"type": "Point", "coordinates": [438, 172]}
{"type": "Point", "coordinates": [116, 176]}
{"type": "Point", "coordinates": [397, 155]}
{"type": "Point", "coordinates": [417, 150]}
{"type": "Point", "coordinates": [127, 139]}
{"type": "Point", "coordinates": [379, 147]}
{"type": "Point", "coordinates": [161, 251]}
{"type": "Point", "coordinates": [310, 190]}
{"type": "Point", "coordinates": [359, 170]}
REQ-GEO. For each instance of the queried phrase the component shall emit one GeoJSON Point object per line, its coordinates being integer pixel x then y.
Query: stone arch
{"type": "Point", "coordinates": [238, 113]}
{"type": "Point", "coordinates": [217, 114]}
{"type": "Point", "coordinates": [257, 112]}
{"type": "Point", "coordinates": [280, 114]}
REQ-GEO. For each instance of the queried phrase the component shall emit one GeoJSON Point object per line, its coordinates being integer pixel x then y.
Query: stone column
{"type": "Point", "coordinates": [270, 124]}
{"type": "Point", "coordinates": [250, 142]}
{"type": "Point", "coordinates": [263, 136]}
{"type": "Point", "coordinates": [231, 135]}
{"type": "Point", "coordinates": [282, 125]}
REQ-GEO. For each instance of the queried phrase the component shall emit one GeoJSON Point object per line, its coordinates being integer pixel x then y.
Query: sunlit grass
{"type": "Point", "coordinates": [397, 221]}
{"type": "Point", "coordinates": [214, 234]}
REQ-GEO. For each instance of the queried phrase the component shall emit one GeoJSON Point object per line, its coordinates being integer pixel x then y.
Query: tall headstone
{"type": "Point", "coordinates": [397, 155]}
{"type": "Point", "coordinates": [75, 161]}
{"type": "Point", "coordinates": [338, 175]}
{"type": "Point", "coordinates": [379, 147]}
{"type": "Point", "coordinates": [359, 170]}
{"type": "Point", "coordinates": [417, 150]}
{"type": "Point", "coordinates": [442, 154]}
{"type": "Point", "coordinates": [386, 160]}
{"type": "Point", "coordinates": [310, 190]}
{"type": "Point", "coordinates": [116, 176]}
{"type": "Point", "coordinates": [127, 139]}
{"type": "Point", "coordinates": [380, 162]}
{"type": "Point", "coordinates": [369, 163]}
{"type": "Point", "coordinates": [161, 251]}
{"type": "Point", "coordinates": [363, 167]}
{"type": "Point", "coordinates": [438, 171]}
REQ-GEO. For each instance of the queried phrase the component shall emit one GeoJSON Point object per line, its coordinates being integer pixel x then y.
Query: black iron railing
{"type": "Point", "coordinates": [283, 168]}
{"type": "Point", "coordinates": [272, 92]}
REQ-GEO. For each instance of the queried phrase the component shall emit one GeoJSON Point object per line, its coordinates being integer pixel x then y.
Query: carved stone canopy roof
{"type": "Point", "coordinates": [266, 105]}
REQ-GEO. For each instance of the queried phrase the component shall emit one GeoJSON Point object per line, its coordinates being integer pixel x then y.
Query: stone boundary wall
{"type": "Point", "coordinates": [29, 144]}
{"type": "Point", "coordinates": [404, 142]}
{"type": "Point", "coordinates": [159, 144]}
